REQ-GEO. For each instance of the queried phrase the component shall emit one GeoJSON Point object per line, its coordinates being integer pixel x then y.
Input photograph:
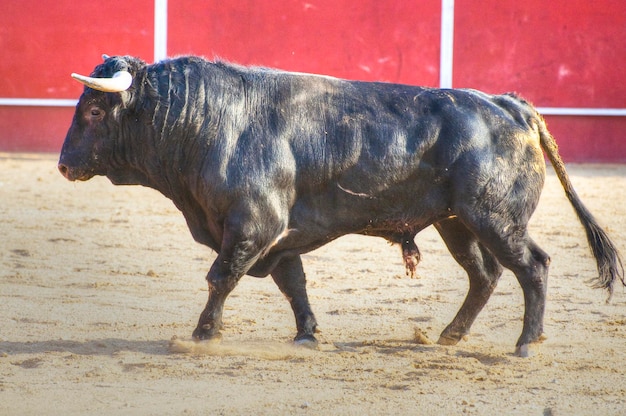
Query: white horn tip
{"type": "Point", "coordinates": [120, 81]}
{"type": "Point", "coordinates": [123, 79]}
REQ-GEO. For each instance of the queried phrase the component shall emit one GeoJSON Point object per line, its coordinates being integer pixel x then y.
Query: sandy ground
{"type": "Point", "coordinates": [95, 281]}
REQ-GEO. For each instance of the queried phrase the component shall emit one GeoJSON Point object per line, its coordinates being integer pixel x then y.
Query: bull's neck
{"type": "Point", "coordinates": [163, 160]}
{"type": "Point", "coordinates": [175, 123]}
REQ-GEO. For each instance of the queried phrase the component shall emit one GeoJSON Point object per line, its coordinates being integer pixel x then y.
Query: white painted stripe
{"type": "Point", "coordinates": [447, 44]}
{"type": "Point", "coordinates": [37, 102]}
{"type": "Point", "coordinates": [570, 111]}
{"type": "Point", "coordinates": [549, 111]}
{"type": "Point", "coordinates": [160, 30]}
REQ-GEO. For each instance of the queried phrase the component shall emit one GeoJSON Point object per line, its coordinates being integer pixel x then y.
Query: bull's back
{"type": "Point", "coordinates": [375, 135]}
{"type": "Point", "coordinates": [369, 135]}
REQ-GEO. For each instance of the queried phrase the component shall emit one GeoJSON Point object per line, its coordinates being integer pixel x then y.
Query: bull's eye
{"type": "Point", "coordinates": [94, 114]}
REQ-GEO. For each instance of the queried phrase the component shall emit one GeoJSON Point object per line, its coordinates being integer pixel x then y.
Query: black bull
{"type": "Point", "coordinates": [266, 165]}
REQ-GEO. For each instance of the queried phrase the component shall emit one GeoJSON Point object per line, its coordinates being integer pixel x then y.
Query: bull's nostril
{"type": "Point", "coordinates": [63, 169]}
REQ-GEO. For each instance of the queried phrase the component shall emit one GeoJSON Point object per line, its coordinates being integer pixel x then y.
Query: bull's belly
{"type": "Point", "coordinates": [317, 219]}
{"type": "Point", "coordinates": [296, 241]}
{"type": "Point", "coordinates": [312, 226]}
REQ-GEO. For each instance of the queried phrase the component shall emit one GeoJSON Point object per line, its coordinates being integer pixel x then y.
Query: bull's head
{"type": "Point", "coordinates": [96, 130]}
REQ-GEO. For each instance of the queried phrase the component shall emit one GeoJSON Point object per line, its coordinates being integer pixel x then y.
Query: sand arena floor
{"type": "Point", "coordinates": [96, 280]}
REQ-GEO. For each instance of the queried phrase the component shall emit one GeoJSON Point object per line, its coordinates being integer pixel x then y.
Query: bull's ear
{"type": "Point", "coordinates": [105, 56]}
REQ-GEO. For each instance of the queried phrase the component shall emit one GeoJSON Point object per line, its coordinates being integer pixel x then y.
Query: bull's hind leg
{"type": "Point", "coordinates": [290, 279]}
{"type": "Point", "coordinates": [533, 277]}
{"type": "Point", "coordinates": [482, 269]}
{"type": "Point", "coordinates": [515, 250]}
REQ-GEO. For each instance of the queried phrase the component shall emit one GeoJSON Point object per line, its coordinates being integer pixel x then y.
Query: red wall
{"type": "Point", "coordinates": [562, 53]}
{"type": "Point", "coordinates": [43, 42]}
{"type": "Point", "coordinates": [396, 41]}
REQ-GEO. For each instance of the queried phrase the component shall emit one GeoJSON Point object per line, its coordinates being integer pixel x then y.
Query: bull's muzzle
{"type": "Point", "coordinates": [74, 174]}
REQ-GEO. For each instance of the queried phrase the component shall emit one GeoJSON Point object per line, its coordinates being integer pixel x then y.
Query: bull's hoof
{"type": "Point", "coordinates": [446, 340]}
{"type": "Point", "coordinates": [204, 334]}
{"type": "Point", "coordinates": [308, 342]}
{"type": "Point", "coordinates": [451, 337]}
{"type": "Point", "coordinates": [523, 351]}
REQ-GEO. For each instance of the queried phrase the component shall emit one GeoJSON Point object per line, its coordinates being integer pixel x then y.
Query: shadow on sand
{"type": "Point", "coordinates": [107, 346]}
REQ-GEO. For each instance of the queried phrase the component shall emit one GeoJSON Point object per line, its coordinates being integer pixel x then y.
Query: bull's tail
{"type": "Point", "coordinates": [607, 257]}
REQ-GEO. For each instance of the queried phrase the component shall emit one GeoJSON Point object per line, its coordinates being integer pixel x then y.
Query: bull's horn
{"type": "Point", "coordinates": [120, 81]}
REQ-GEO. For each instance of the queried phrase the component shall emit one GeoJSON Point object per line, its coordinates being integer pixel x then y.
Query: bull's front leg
{"type": "Point", "coordinates": [242, 245]}
{"type": "Point", "coordinates": [220, 283]}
